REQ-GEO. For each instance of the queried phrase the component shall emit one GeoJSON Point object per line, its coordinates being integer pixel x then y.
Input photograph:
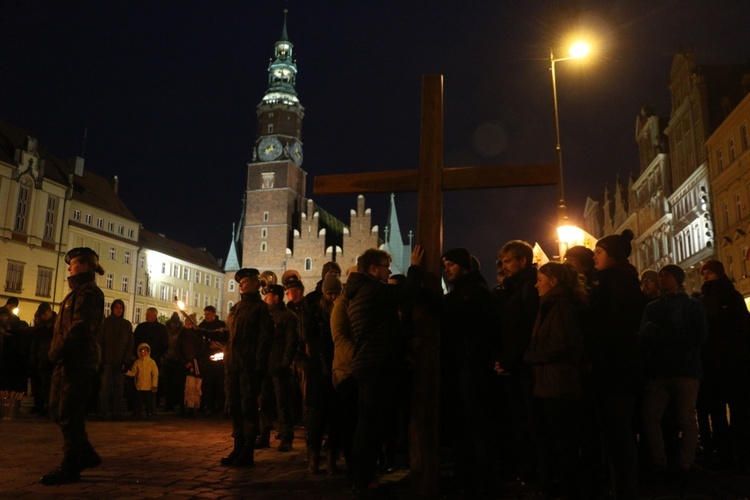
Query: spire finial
{"type": "Point", "coordinates": [284, 35]}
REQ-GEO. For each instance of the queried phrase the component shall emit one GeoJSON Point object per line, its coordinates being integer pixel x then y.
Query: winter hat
{"type": "Point", "coordinates": [246, 272]}
{"type": "Point", "coordinates": [715, 267]}
{"type": "Point", "coordinates": [676, 271]}
{"type": "Point", "coordinates": [460, 256]}
{"type": "Point", "coordinates": [332, 283]}
{"type": "Point", "coordinates": [277, 290]}
{"type": "Point", "coordinates": [580, 253]}
{"type": "Point", "coordinates": [331, 266]}
{"type": "Point", "coordinates": [43, 308]}
{"type": "Point", "coordinates": [650, 274]}
{"type": "Point", "coordinates": [617, 246]}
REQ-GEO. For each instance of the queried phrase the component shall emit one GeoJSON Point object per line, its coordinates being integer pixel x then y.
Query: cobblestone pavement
{"type": "Point", "coordinates": [173, 457]}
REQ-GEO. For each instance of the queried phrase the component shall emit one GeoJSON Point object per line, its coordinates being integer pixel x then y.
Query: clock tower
{"type": "Point", "coordinates": [275, 179]}
{"type": "Point", "coordinates": [280, 112]}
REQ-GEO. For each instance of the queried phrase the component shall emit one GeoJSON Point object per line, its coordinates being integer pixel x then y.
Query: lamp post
{"type": "Point", "coordinates": [567, 234]}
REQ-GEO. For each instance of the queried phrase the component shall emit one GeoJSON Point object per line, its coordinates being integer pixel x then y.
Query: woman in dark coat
{"type": "Point", "coordinates": [555, 355]}
{"type": "Point", "coordinates": [611, 351]}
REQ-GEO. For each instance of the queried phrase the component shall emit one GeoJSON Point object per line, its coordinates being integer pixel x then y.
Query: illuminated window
{"type": "Point", "coordinates": [186, 273]}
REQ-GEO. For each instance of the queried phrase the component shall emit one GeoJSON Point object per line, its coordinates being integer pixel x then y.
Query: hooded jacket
{"type": "Point", "coordinates": [728, 346]}
{"type": "Point", "coordinates": [145, 371]}
{"type": "Point", "coordinates": [116, 338]}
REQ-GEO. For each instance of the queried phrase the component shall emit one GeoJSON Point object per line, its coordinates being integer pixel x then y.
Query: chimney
{"type": "Point", "coordinates": [115, 183]}
{"type": "Point", "coordinates": [78, 168]}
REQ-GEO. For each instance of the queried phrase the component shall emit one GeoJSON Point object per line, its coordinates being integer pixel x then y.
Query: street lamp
{"type": "Point", "coordinates": [567, 234]}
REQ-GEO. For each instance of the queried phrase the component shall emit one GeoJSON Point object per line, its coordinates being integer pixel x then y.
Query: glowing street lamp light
{"type": "Point", "coordinates": [566, 237]}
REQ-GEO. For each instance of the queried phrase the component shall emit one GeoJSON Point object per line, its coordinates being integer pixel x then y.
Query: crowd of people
{"type": "Point", "coordinates": [575, 379]}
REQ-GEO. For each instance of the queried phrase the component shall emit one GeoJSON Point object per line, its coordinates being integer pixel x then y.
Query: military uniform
{"type": "Point", "coordinates": [245, 363]}
{"type": "Point", "coordinates": [75, 354]}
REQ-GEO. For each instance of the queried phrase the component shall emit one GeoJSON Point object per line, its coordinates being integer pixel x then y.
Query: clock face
{"type": "Point", "coordinates": [269, 148]}
{"type": "Point", "coordinates": [296, 153]}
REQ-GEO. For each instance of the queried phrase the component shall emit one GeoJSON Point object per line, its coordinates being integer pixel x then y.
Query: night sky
{"type": "Point", "coordinates": [168, 90]}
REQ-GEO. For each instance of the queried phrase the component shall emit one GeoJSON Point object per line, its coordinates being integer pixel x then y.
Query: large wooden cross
{"type": "Point", "coordinates": [429, 181]}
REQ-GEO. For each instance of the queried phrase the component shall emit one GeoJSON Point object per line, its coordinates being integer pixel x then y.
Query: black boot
{"type": "Point", "coordinates": [68, 472]}
{"type": "Point", "coordinates": [246, 457]}
{"type": "Point", "coordinates": [234, 454]}
{"type": "Point", "coordinates": [89, 458]}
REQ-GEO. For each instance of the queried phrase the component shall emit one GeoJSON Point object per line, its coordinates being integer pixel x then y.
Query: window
{"type": "Point", "coordinates": [176, 270]}
{"type": "Point", "coordinates": [231, 286]}
{"type": "Point", "coordinates": [186, 273]}
{"type": "Point", "coordinates": [100, 223]}
{"type": "Point", "coordinates": [264, 232]}
{"type": "Point", "coordinates": [198, 277]}
{"type": "Point", "coordinates": [110, 281]}
{"type": "Point", "coordinates": [14, 277]}
{"type": "Point", "coordinates": [730, 144]}
{"type": "Point", "coordinates": [131, 233]}
{"type": "Point", "coordinates": [164, 268]}
{"type": "Point", "coordinates": [265, 216]}
{"type": "Point", "coordinates": [217, 283]}
{"type": "Point", "coordinates": [89, 219]}
{"type": "Point", "coordinates": [208, 279]}
{"type": "Point", "coordinates": [120, 230]}
{"type": "Point", "coordinates": [126, 257]}
{"type": "Point", "coordinates": [263, 246]}
{"type": "Point", "coordinates": [44, 281]}
{"type": "Point", "coordinates": [107, 308]}
{"type": "Point", "coordinates": [308, 264]}
{"type": "Point", "coordinates": [216, 303]}
{"type": "Point", "coordinates": [111, 227]}
{"type": "Point", "coordinates": [719, 160]}
{"type": "Point", "coordinates": [112, 253]}
{"type": "Point", "coordinates": [164, 292]}
{"type": "Point", "coordinates": [205, 301]}
{"type": "Point", "coordinates": [125, 284]}
{"type": "Point", "coordinates": [77, 215]}
{"type": "Point", "coordinates": [196, 299]}
{"type": "Point", "coordinates": [22, 207]}
{"type": "Point", "coordinates": [230, 305]}
{"type": "Point", "coordinates": [744, 138]}
{"type": "Point", "coordinates": [49, 219]}
{"type": "Point", "coordinates": [137, 316]}
{"type": "Point", "coordinates": [725, 207]}
{"type": "Point", "coordinates": [139, 287]}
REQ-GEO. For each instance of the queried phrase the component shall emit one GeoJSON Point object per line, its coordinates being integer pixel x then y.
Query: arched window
{"type": "Point", "coordinates": [25, 186]}
{"type": "Point", "coordinates": [230, 305]}
{"type": "Point", "coordinates": [308, 264]}
{"type": "Point", "coordinates": [231, 285]}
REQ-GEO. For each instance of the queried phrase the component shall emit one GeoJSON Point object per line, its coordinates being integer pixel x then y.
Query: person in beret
{"type": "Point", "coordinates": [245, 364]}
{"type": "Point", "coordinates": [76, 356]}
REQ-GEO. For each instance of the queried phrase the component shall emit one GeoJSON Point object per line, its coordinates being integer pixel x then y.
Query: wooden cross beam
{"type": "Point", "coordinates": [429, 181]}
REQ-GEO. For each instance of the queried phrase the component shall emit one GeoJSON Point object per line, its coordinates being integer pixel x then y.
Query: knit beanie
{"type": "Point", "coordinates": [331, 266]}
{"type": "Point", "coordinates": [332, 283]}
{"type": "Point", "coordinates": [580, 253]}
{"type": "Point", "coordinates": [617, 246]}
{"type": "Point", "coordinates": [675, 271]}
{"type": "Point", "coordinates": [460, 256]}
{"type": "Point", "coordinates": [715, 267]}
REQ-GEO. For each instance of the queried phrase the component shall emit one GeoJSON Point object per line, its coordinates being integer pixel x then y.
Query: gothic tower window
{"type": "Point", "coordinates": [264, 232]}
{"type": "Point", "coordinates": [265, 216]}
{"type": "Point", "coordinates": [308, 264]}
{"type": "Point", "coordinates": [263, 246]}
{"type": "Point", "coordinates": [22, 207]}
